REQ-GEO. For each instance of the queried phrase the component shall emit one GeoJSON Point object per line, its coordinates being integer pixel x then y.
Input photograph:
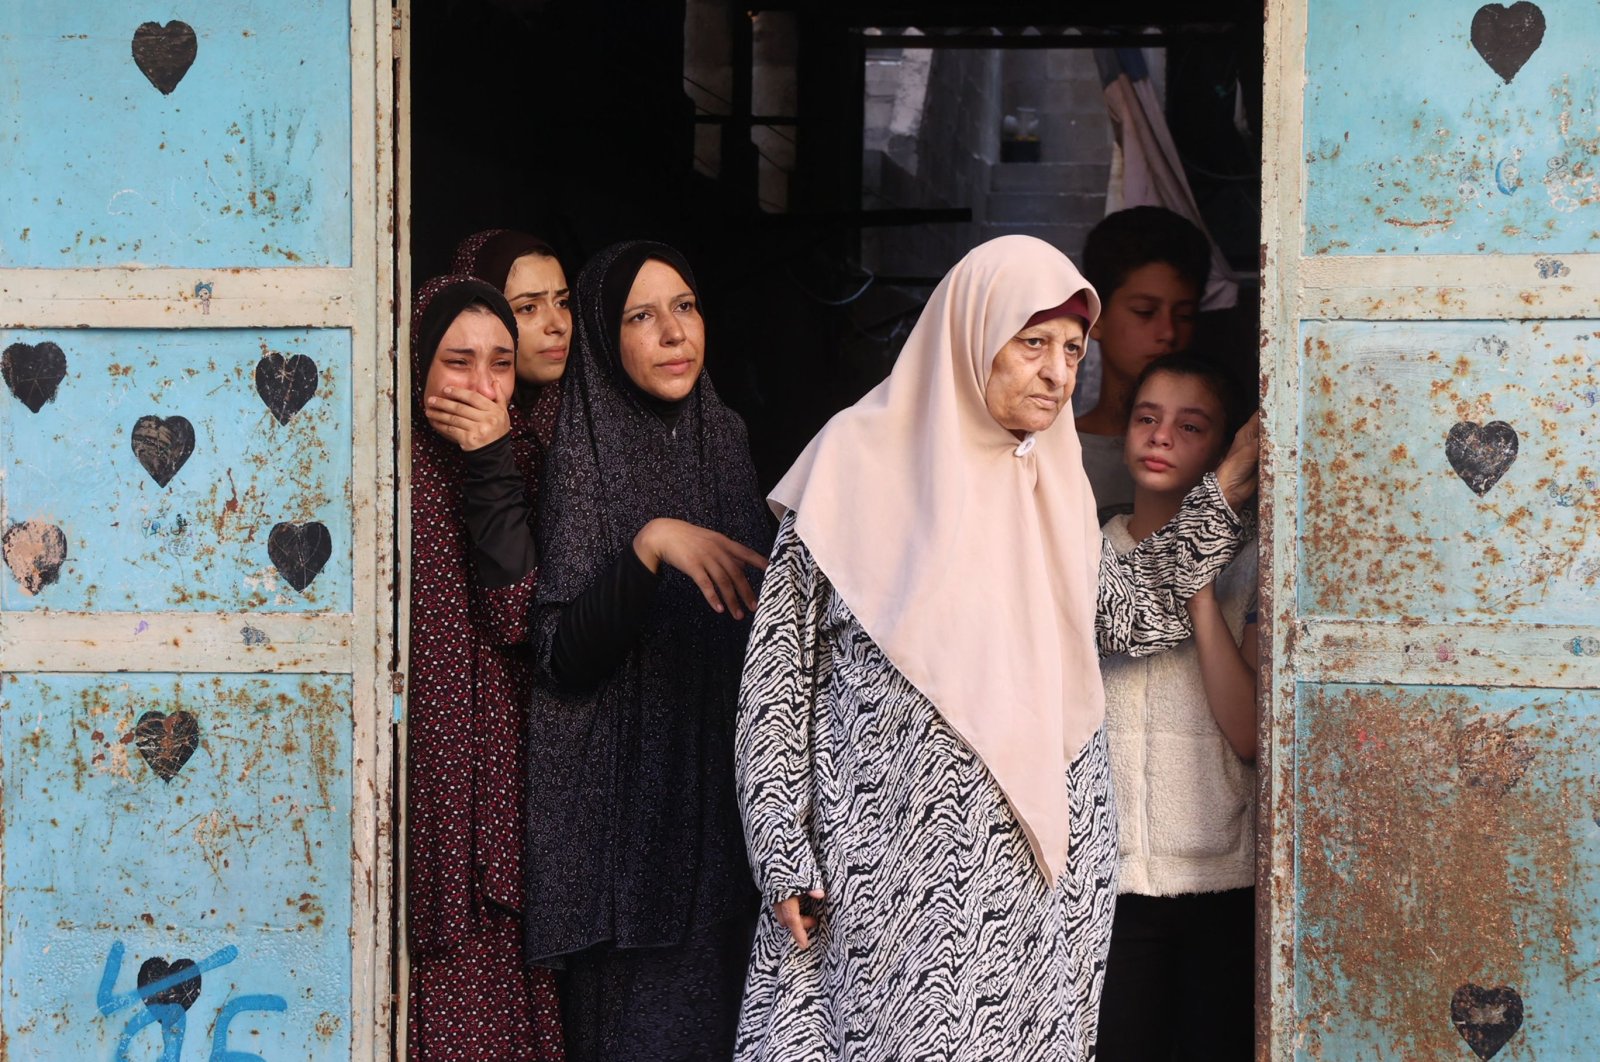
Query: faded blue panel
{"type": "Point", "coordinates": [245, 163]}
{"type": "Point", "coordinates": [1448, 860]}
{"type": "Point", "coordinates": [1415, 145]}
{"type": "Point", "coordinates": [239, 862]}
{"type": "Point", "coordinates": [1391, 521]}
{"type": "Point", "coordinates": [204, 541]}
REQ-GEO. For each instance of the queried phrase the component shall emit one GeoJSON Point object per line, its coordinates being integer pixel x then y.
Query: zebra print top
{"type": "Point", "coordinates": [938, 932]}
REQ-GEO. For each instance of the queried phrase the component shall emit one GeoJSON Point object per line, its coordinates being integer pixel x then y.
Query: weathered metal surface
{"type": "Point", "coordinates": [182, 201]}
{"type": "Point", "coordinates": [185, 470]}
{"type": "Point", "coordinates": [1430, 484]}
{"type": "Point", "coordinates": [1443, 128]}
{"type": "Point", "coordinates": [219, 137]}
{"type": "Point", "coordinates": [1448, 847]}
{"type": "Point", "coordinates": [152, 819]}
{"type": "Point", "coordinates": [1450, 471]}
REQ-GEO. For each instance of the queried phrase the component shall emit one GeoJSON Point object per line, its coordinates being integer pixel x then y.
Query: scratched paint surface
{"type": "Point", "coordinates": [239, 862]}
{"type": "Point", "coordinates": [245, 163]}
{"type": "Point", "coordinates": [1415, 145]}
{"type": "Point", "coordinates": [1390, 528]}
{"type": "Point", "coordinates": [1446, 837]}
{"type": "Point", "coordinates": [201, 541]}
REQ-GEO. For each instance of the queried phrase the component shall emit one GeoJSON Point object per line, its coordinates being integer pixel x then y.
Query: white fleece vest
{"type": "Point", "coordinates": [1185, 801]}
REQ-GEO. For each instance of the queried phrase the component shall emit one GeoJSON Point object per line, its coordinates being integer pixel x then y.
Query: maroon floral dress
{"type": "Point", "coordinates": [471, 997]}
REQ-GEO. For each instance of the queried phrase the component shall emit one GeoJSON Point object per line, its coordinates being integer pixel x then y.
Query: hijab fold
{"type": "Point", "coordinates": [970, 560]}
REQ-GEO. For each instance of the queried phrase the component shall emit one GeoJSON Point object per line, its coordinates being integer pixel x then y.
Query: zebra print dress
{"type": "Point", "coordinates": [939, 938]}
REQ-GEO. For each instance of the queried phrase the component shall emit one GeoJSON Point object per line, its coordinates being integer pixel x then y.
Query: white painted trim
{"type": "Point", "coordinates": [175, 641]}
{"type": "Point", "coordinates": [1451, 287]}
{"type": "Point", "coordinates": [371, 519]}
{"type": "Point", "coordinates": [384, 644]}
{"type": "Point", "coordinates": [1283, 182]}
{"type": "Point", "coordinates": [165, 298]}
{"type": "Point", "coordinates": [1519, 655]}
{"type": "Point", "coordinates": [403, 283]}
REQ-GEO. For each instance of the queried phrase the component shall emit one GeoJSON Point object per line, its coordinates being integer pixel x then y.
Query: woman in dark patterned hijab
{"type": "Point", "coordinates": [472, 999]}
{"type": "Point", "coordinates": [650, 525]}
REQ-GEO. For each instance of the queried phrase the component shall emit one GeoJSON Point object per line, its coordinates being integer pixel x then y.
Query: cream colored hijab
{"type": "Point", "coordinates": [971, 560]}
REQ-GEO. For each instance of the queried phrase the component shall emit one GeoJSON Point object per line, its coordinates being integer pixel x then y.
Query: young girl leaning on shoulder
{"type": "Point", "coordinates": [1182, 732]}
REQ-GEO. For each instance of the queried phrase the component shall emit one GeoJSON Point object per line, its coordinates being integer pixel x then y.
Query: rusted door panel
{"type": "Point", "coordinates": [1448, 857]}
{"type": "Point", "coordinates": [196, 441]}
{"type": "Point", "coordinates": [1431, 486]}
{"type": "Point", "coordinates": [169, 459]}
{"type": "Point", "coordinates": [1416, 144]}
{"type": "Point", "coordinates": [212, 138]}
{"type": "Point", "coordinates": [1450, 471]}
{"type": "Point", "coordinates": [157, 818]}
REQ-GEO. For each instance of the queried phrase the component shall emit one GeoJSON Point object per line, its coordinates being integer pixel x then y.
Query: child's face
{"type": "Point", "coordinates": [1150, 314]}
{"type": "Point", "coordinates": [1175, 435]}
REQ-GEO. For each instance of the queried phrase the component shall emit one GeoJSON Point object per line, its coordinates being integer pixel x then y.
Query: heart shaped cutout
{"type": "Point", "coordinates": [165, 53]}
{"type": "Point", "coordinates": [162, 445]}
{"type": "Point", "coordinates": [1486, 1018]}
{"type": "Point", "coordinates": [299, 550]}
{"type": "Point", "coordinates": [285, 384]}
{"type": "Point", "coordinates": [33, 372]}
{"type": "Point", "coordinates": [1481, 454]}
{"type": "Point", "coordinates": [184, 993]}
{"type": "Point", "coordinates": [1507, 37]}
{"type": "Point", "coordinates": [166, 741]}
{"type": "Point", "coordinates": [34, 551]}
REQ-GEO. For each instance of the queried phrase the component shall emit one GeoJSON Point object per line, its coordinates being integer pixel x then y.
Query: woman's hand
{"type": "Point", "coordinates": [468, 419]}
{"type": "Point", "coordinates": [1237, 473]}
{"type": "Point", "coordinates": [797, 923]}
{"type": "Point", "coordinates": [714, 561]}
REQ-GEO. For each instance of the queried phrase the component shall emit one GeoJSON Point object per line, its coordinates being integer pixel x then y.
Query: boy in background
{"type": "Point", "coordinates": [1149, 266]}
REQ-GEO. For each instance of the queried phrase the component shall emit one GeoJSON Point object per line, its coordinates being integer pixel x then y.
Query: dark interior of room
{"type": "Point", "coordinates": [573, 119]}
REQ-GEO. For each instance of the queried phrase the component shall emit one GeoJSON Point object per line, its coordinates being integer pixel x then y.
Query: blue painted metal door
{"type": "Point", "coordinates": [196, 510]}
{"type": "Point", "coordinates": [1432, 494]}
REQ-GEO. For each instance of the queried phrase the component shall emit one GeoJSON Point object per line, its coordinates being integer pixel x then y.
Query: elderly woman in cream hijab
{"type": "Point", "coordinates": [921, 765]}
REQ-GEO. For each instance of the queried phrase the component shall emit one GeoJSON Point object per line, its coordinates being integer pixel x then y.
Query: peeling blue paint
{"type": "Point", "coordinates": [201, 541]}
{"type": "Point", "coordinates": [1415, 145]}
{"type": "Point", "coordinates": [245, 163]}
{"type": "Point", "coordinates": [240, 863]}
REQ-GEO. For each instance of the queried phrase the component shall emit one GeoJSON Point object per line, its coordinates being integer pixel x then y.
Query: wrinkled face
{"type": "Point", "coordinates": [1152, 313]}
{"type": "Point", "coordinates": [536, 287]}
{"type": "Point", "coordinates": [474, 354]}
{"type": "Point", "coordinates": [1176, 433]}
{"type": "Point", "coordinates": [663, 337]}
{"type": "Point", "coordinates": [1033, 375]}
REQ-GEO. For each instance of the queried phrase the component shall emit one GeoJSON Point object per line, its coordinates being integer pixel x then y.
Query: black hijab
{"type": "Point", "coordinates": [634, 834]}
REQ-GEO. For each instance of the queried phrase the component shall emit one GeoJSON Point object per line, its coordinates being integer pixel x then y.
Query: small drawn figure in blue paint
{"type": "Point", "coordinates": [167, 1000]}
{"type": "Point", "coordinates": [1507, 176]}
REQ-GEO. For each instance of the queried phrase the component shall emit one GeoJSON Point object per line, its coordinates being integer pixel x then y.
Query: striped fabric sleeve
{"type": "Point", "coordinates": [777, 699]}
{"type": "Point", "coordinates": [1142, 594]}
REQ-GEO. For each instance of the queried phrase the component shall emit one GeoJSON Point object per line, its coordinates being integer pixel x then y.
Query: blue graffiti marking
{"type": "Point", "coordinates": [110, 1004]}
{"type": "Point", "coordinates": [232, 1009]}
{"type": "Point", "coordinates": [1505, 176]}
{"type": "Point", "coordinates": [1584, 646]}
{"type": "Point", "coordinates": [1550, 268]}
{"type": "Point", "coordinates": [171, 1016]}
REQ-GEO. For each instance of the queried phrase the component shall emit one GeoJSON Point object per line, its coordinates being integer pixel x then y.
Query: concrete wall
{"type": "Point", "coordinates": [932, 139]}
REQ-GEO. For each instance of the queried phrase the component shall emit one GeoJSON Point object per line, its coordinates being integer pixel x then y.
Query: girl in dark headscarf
{"type": "Point", "coordinates": [650, 519]}
{"type": "Point", "coordinates": [472, 999]}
